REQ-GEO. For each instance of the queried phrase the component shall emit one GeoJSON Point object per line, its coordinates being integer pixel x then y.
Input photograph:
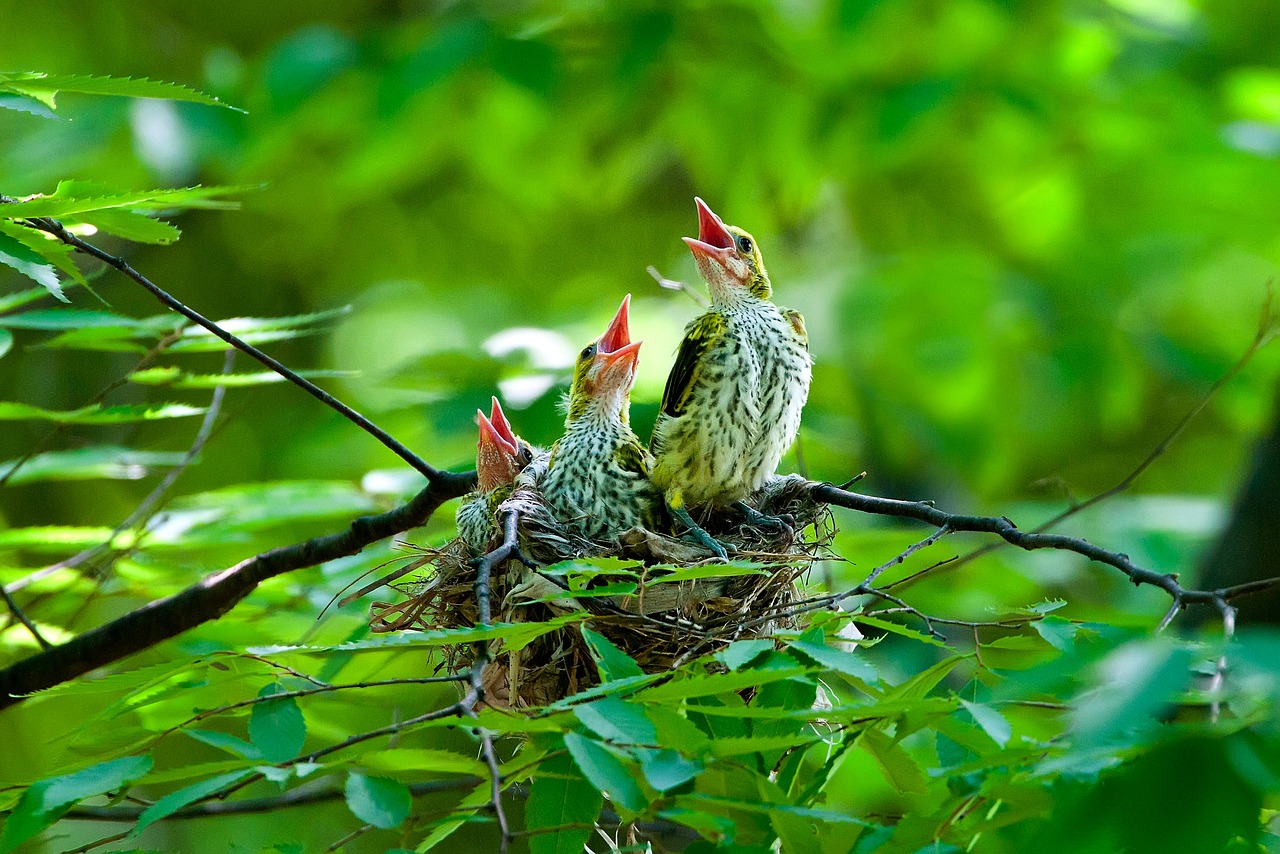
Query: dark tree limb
{"type": "Point", "coordinates": [215, 595]}
{"type": "Point", "coordinates": [924, 511]}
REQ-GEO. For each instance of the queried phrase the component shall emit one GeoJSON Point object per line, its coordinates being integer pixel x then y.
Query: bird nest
{"type": "Point", "coordinates": [659, 599]}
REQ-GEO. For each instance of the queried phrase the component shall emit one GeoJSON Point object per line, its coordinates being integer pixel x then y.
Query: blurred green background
{"type": "Point", "coordinates": [1027, 237]}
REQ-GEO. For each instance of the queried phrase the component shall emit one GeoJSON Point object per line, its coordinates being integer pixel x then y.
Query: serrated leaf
{"type": "Point", "coordinates": [174, 801]}
{"type": "Point", "coordinates": [63, 204]}
{"type": "Point", "coordinates": [616, 720]}
{"type": "Point", "coordinates": [899, 768]}
{"type": "Point", "coordinates": [992, 722]}
{"type": "Point", "coordinates": [43, 802]}
{"type": "Point", "coordinates": [131, 225]}
{"type": "Point", "coordinates": [732, 569]}
{"type": "Point", "coordinates": [897, 629]}
{"type": "Point", "coordinates": [98, 414]}
{"type": "Point", "coordinates": [559, 796]}
{"type": "Point", "coordinates": [1059, 633]}
{"type": "Point", "coordinates": [686, 686]}
{"type": "Point", "coordinates": [838, 660]}
{"type": "Point", "coordinates": [38, 83]}
{"type": "Point", "coordinates": [741, 653]}
{"type": "Point", "coordinates": [606, 772]}
{"type": "Point", "coordinates": [276, 727]}
{"type": "Point", "coordinates": [26, 104]}
{"type": "Point", "coordinates": [17, 256]}
{"type": "Point", "coordinates": [379, 801]}
{"type": "Point", "coordinates": [48, 248]}
{"type": "Point", "coordinates": [612, 662]}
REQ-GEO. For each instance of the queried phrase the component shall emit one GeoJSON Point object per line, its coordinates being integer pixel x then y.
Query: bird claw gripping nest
{"type": "Point", "coordinates": [656, 622]}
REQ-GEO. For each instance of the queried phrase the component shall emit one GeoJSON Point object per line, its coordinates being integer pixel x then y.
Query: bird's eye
{"type": "Point", "coordinates": [587, 352]}
{"type": "Point", "coordinates": [744, 245]}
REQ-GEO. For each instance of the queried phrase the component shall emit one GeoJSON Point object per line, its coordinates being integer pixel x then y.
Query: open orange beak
{"type": "Point", "coordinates": [495, 453]}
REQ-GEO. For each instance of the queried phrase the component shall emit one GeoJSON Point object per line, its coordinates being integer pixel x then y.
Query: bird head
{"type": "Point", "coordinates": [500, 453]}
{"type": "Point", "coordinates": [605, 370]}
{"type": "Point", "coordinates": [728, 259]}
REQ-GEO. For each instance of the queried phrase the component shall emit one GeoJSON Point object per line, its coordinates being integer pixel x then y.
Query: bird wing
{"type": "Point", "coordinates": [631, 457]}
{"type": "Point", "coordinates": [796, 319]}
{"type": "Point", "coordinates": [698, 335]}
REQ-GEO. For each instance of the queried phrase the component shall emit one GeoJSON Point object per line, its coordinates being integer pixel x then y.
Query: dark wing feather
{"type": "Point", "coordinates": [698, 335]}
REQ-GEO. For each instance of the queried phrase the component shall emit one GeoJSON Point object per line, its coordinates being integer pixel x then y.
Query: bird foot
{"type": "Point", "coordinates": [776, 524]}
{"type": "Point", "coordinates": [707, 541]}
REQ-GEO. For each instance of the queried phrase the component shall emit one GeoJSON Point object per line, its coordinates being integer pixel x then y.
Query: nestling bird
{"type": "Point", "coordinates": [597, 478]}
{"type": "Point", "coordinates": [500, 456]}
{"type": "Point", "coordinates": [732, 403]}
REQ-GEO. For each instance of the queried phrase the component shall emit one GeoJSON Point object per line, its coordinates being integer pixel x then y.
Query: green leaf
{"type": "Point", "coordinates": [685, 686]}
{"type": "Point", "coordinates": [175, 801]}
{"type": "Point", "coordinates": [23, 104]}
{"type": "Point", "coordinates": [606, 772]}
{"type": "Point", "coordinates": [716, 828]}
{"type": "Point", "coordinates": [430, 760]}
{"type": "Point", "coordinates": [992, 722]}
{"type": "Point", "coordinates": [225, 741]}
{"type": "Point", "coordinates": [132, 225]}
{"type": "Point", "coordinates": [276, 727]}
{"type": "Point", "coordinates": [477, 799]}
{"type": "Point", "coordinates": [667, 769]}
{"type": "Point", "coordinates": [559, 796]}
{"type": "Point", "coordinates": [612, 662]}
{"type": "Point", "coordinates": [63, 204]}
{"type": "Point", "coordinates": [98, 414]}
{"type": "Point", "coordinates": [43, 802]}
{"type": "Point", "coordinates": [44, 86]}
{"type": "Point", "coordinates": [732, 569]}
{"type": "Point", "coordinates": [48, 248]}
{"type": "Point", "coordinates": [919, 686]}
{"type": "Point", "coordinates": [839, 660]}
{"type": "Point", "coordinates": [108, 462]}
{"type": "Point", "coordinates": [741, 653]}
{"type": "Point", "coordinates": [67, 318]}
{"type": "Point", "coordinates": [1136, 680]}
{"type": "Point", "coordinates": [1060, 633]}
{"type": "Point", "coordinates": [177, 378]}
{"type": "Point", "coordinates": [616, 720]}
{"type": "Point", "coordinates": [55, 537]}
{"type": "Point", "coordinates": [897, 629]}
{"type": "Point", "coordinates": [6, 341]}
{"type": "Point", "coordinates": [30, 264]}
{"type": "Point", "coordinates": [379, 801]}
{"type": "Point", "coordinates": [21, 298]}
{"type": "Point", "coordinates": [899, 768]}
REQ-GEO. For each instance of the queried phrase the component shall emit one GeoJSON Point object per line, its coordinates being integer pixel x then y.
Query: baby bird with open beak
{"type": "Point", "coordinates": [597, 478]}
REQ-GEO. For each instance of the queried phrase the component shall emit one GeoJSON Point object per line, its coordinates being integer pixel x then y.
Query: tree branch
{"type": "Point", "coordinates": [52, 226]}
{"type": "Point", "coordinates": [215, 595]}
{"type": "Point", "coordinates": [924, 511]}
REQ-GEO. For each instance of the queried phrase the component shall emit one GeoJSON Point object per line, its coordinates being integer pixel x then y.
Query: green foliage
{"type": "Point", "coordinates": [1026, 239]}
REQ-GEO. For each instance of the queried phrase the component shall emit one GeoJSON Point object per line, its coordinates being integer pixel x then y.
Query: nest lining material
{"type": "Point", "coordinates": [658, 600]}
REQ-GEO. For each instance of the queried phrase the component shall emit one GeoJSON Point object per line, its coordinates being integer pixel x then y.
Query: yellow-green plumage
{"type": "Point", "coordinates": [477, 525]}
{"type": "Point", "coordinates": [733, 399]}
{"type": "Point", "coordinates": [597, 478]}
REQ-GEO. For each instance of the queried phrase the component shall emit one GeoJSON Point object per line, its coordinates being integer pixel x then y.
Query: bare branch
{"type": "Point", "coordinates": [215, 595]}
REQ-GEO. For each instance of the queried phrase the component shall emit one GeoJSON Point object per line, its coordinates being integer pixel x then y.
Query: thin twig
{"type": "Point", "coordinates": [52, 226]}
{"type": "Point", "coordinates": [300, 796]}
{"type": "Point", "coordinates": [21, 617]}
{"type": "Point", "coordinates": [673, 285]}
{"type": "Point", "coordinates": [146, 509]}
{"type": "Point", "coordinates": [1265, 332]}
{"type": "Point", "coordinates": [43, 442]}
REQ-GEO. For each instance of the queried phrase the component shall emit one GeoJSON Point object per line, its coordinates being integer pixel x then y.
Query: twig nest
{"type": "Point", "coordinates": [658, 598]}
